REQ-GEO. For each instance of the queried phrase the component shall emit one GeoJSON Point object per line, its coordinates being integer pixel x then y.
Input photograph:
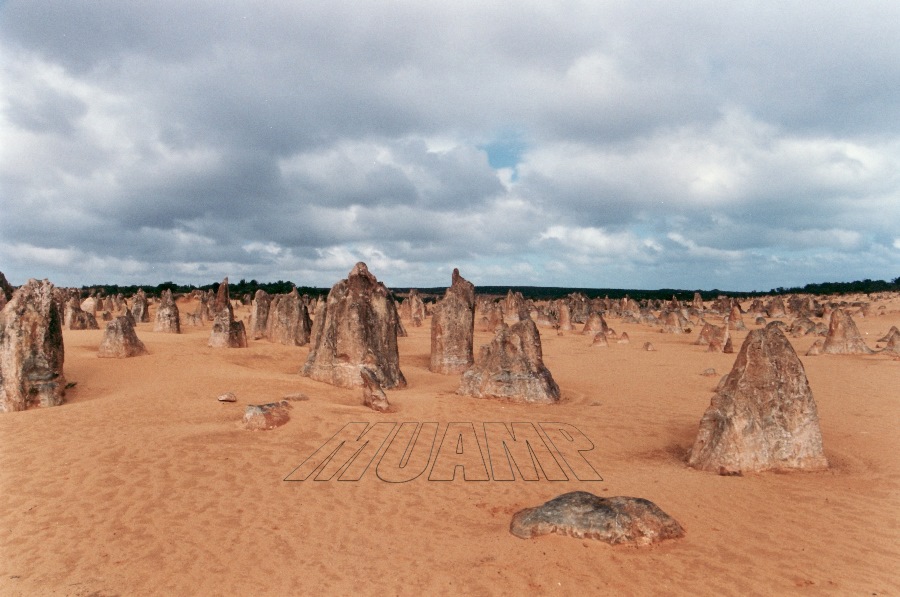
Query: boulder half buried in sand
{"type": "Point", "coordinates": [31, 349]}
{"type": "Point", "coordinates": [763, 415]}
{"type": "Point", "coordinates": [261, 417]}
{"type": "Point", "coordinates": [617, 520]}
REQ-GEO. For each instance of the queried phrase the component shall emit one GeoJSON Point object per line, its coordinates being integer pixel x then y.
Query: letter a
{"type": "Point", "coordinates": [459, 448]}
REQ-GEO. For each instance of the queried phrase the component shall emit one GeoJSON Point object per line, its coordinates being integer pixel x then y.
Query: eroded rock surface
{"type": "Point", "coordinates": [356, 327]}
{"type": "Point", "coordinates": [512, 366]}
{"type": "Point", "coordinates": [843, 336]}
{"type": "Point", "coordinates": [288, 320]}
{"type": "Point", "coordinates": [453, 328]}
{"type": "Point", "coordinates": [373, 393]}
{"type": "Point", "coordinates": [262, 417]}
{"type": "Point", "coordinates": [167, 319]}
{"type": "Point", "coordinates": [226, 331]}
{"type": "Point", "coordinates": [616, 520]}
{"type": "Point", "coordinates": [31, 349]}
{"type": "Point", "coordinates": [763, 415]}
{"type": "Point", "coordinates": [120, 340]}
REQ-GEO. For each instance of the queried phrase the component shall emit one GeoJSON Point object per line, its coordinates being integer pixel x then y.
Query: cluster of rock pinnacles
{"type": "Point", "coordinates": [761, 417]}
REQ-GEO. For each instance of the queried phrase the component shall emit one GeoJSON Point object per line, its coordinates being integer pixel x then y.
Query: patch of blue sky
{"type": "Point", "coordinates": [505, 152]}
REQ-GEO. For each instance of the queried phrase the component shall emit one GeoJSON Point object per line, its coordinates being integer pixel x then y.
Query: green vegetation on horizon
{"type": "Point", "coordinates": [238, 289]}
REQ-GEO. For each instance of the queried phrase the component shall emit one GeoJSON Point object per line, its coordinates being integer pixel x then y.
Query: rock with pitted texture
{"type": "Point", "coordinates": [595, 324]}
{"type": "Point", "coordinates": [453, 328]}
{"type": "Point", "coordinates": [120, 340]}
{"type": "Point", "coordinates": [616, 520]}
{"type": "Point", "coordinates": [373, 393]}
{"type": "Point", "coordinates": [413, 309]}
{"type": "Point", "coordinates": [259, 314]}
{"type": "Point", "coordinates": [891, 332]}
{"type": "Point", "coordinates": [355, 328]}
{"type": "Point", "coordinates": [893, 342]}
{"type": "Point", "coordinates": [288, 320]}
{"type": "Point", "coordinates": [140, 307]}
{"type": "Point", "coordinates": [31, 349]}
{"type": "Point", "coordinates": [76, 319]}
{"type": "Point", "coordinates": [511, 366]}
{"type": "Point", "coordinates": [843, 336]}
{"type": "Point", "coordinates": [226, 331]}
{"type": "Point", "coordinates": [167, 319]}
{"type": "Point", "coordinates": [736, 319]}
{"type": "Point", "coordinates": [6, 291]}
{"type": "Point", "coordinates": [763, 415]}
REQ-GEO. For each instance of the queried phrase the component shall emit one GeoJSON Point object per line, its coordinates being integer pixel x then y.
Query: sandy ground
{"type": "Point", "coordinates": [144, 484]}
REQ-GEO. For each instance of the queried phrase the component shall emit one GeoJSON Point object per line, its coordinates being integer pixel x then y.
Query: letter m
{"type": "Point", "coordinates": [348, 453]}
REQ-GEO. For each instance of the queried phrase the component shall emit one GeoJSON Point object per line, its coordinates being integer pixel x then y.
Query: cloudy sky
{"type": "Point", "coordinates": [731, 145]}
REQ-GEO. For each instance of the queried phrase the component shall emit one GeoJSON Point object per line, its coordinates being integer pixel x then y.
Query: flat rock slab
{"type": "Point", "coordinates": [267, 416]}
{"type": "Point", "coordinates": [617, 520]}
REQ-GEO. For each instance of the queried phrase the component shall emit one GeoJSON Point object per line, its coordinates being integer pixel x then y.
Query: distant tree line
{"type": "Point", "coordinates": [235, 289]}
{"type": "Point", "coordinates": [238, 289]}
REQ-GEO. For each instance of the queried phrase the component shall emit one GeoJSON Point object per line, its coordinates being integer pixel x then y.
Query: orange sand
{"type": "Point", "coordinates": [143, 484]}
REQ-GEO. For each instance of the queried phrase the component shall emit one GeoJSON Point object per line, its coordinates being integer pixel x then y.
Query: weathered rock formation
{"type": "Point", "coordinates": [373, 393]}
{"type": "Point", "coordinates": [167, 319]}
{"type": "Point", "coordinates": [413, 309]}
{"type": "Point", "coordinates": [453, 328]}
{"type": "Point", "coordinates": [763, 415]}
{"type": "Point", "coordinates": [512, 366]}
{"type": "Point", "coordinates": [616, 520]}
{"type": "Point", "coordinates": [491, 316]}
{"type": "Point", "coordinates": [6, 291]}
{"type": "Point", "coordinates": [76, 319]}
{"type": "Point", "coordinates": [31, 349]}
{"type": "Point", "coordinates": [288, 320]}
{"type": "Point", "coordinates": [565, 317]}
{"type": "Point", "coordinates": [816, 348]}
{"type": "Point", "coordinates": [735, 319]}
{"type": "Point", "coordinates": [891, 332]}
{"type": "Point", "coordinates": [356, 327]}
{"type": "Point", "coordinates": [595, 325]}
{"type": "Point", "coordinates": [893, 342]}
{"type": "Point", "coordinates": [259, 314]}
{"type": "Point", "coordinates": [600, 340]}
{"type": "Point", "coordinates": [120, 340]}
{"type": "Point", "coordinates": [671, 323]}
{"type": "Point", "coordinates": [776, 307]}
{"type": "Point", "coordinates": [843, 336]}
{"type": "Point", "coordinates": [140, 307]}
{"type": "Point", "coordinates": [226, 331]}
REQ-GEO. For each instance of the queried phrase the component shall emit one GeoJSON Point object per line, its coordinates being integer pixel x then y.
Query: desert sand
{"type": "Point", "coordinates": [144, 484]}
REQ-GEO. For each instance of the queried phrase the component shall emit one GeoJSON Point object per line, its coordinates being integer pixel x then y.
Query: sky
{"type": "Point", "coordinates": [655, 144]}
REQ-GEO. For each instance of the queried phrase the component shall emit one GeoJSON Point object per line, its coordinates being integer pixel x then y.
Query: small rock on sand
{"type": "Point", "coordinates": [267, 416]}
